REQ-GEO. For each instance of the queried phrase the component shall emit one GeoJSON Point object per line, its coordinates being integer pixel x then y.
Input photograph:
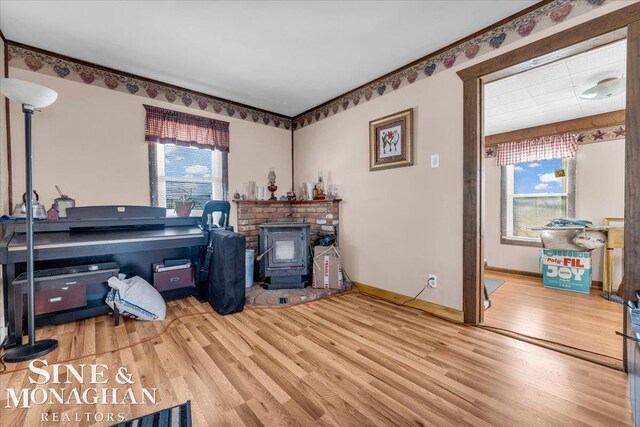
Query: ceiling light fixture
{"type": "Point", "coordinates": [605, 89]}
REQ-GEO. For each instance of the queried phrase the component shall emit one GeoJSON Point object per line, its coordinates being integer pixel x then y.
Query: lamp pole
{"type": "Point", "coordinates": [28, 157]}
{"type": "Point", "coordinates": [30, 96]}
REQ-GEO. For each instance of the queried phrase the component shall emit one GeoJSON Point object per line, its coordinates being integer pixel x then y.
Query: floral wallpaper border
{"type": "Point", "coordinates": [608, 133]}
{"type": "Point", "coordinates": [544, 17]}
{"type": "Point", "coordinates": [51, 64]}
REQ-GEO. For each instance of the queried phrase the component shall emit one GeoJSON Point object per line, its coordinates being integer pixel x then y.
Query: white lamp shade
{"type": "Point", "coordinates": [29, 93]}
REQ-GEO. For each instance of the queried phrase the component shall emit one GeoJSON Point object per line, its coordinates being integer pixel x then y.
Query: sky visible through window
{"type": "Point", "coordinates": [186, 162]}
{"type": "Point", "coordinates": [531, 179]}
{"type": "Point", "coordinates": [183, 164]}
{"type": "Point", "coordinates": [537, 177]}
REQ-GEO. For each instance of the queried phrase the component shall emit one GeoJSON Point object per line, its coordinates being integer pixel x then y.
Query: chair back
{"type": "Point", "coordinates": [212, 206]}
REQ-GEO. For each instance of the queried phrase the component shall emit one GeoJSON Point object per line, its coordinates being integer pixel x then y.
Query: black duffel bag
{"type": "Point", "coordinates": [224, 271]}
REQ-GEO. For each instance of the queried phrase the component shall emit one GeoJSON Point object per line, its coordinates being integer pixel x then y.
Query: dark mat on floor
{"type": "Point", "coordinates": [178, 416]}
{"type": "Point", "coordinates": [492, 284]}
{"type": "Point", "coordinates": [612, 297]}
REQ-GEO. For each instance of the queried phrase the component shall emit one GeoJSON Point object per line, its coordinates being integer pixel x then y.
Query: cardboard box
{"type": "Point", "coordinates": [567, 270]}
{"type": "Point", "coordinates": [327, 268]}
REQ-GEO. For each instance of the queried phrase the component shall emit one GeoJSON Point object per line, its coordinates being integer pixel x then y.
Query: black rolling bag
{"type": "Point", "coordinates": [224, 272]}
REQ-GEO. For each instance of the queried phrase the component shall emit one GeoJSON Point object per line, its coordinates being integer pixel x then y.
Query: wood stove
{"type": "Point", "coordinates": [285, 247]}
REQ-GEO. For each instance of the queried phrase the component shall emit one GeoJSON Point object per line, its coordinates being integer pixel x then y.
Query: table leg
{"type": "Point", "coordinates": [620, 291]}
{"type": "Point", "coordinates": [607, 270]}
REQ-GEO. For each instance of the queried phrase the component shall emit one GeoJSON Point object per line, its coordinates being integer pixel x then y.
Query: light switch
{"type": "Point", "coordinates": [435, 161]}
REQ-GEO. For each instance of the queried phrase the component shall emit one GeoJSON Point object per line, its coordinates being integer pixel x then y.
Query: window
{"type": "Point", "coordinates": [533, 193]}
{"type": "Point", "coordinates": [176, 169]}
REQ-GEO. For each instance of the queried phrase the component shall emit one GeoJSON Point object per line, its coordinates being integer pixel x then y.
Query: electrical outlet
{"type": "Point", "coordinates": [435, 161]}
{"type": "Point", "coordinates": [432, 281]}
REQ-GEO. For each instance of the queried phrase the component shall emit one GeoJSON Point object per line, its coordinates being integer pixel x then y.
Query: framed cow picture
{"type": "Point", "coordinates": [391, 141]}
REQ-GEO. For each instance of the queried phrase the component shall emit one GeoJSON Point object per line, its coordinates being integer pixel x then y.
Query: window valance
{"type": "Point", "coordinates": [173, 127]}
{"type": "Point", "coordinates": [543, 148]}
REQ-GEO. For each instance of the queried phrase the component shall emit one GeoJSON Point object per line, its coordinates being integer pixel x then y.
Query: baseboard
{"type": "Point", "coordinates": [512, 271]}
{"type": "Point", "coordinates": [429, 307]}
{"type": "Point", "coordinates": [595, 284]}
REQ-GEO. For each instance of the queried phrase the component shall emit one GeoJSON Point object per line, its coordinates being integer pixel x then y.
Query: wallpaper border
{"type": "Point", "coordinates": [547, 15]}
{"type": "Point", "coordinates": [37, 60]}
{"type": "Point", "coordinates": [536, 20]}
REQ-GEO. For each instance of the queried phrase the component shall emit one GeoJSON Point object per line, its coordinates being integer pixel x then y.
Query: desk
{"type": "Point", "coordinates": [134, 244]}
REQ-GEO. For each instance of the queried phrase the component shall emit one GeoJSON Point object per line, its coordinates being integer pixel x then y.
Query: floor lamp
{"type": "Point", "coordinates": [30, 96]}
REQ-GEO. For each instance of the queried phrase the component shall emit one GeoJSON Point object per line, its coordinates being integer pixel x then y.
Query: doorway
{"type": "Point", "coordinates": [554, 148]}
{"type": "Point", "coordinates": [603, 30]}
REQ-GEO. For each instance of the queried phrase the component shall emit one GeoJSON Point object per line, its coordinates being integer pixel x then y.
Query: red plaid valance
{"type": "Point", "coordinates": [543, 148]}
{"type": "Point", "coordinates": [173, 127]}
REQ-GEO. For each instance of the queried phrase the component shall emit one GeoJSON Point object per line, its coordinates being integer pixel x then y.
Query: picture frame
{"type": "Point", "coordinates": [391, 141]}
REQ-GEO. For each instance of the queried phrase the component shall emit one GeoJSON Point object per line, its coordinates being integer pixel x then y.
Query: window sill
{"type": "Point", "coordinates": [171, 213]}
{"type": "Point", "coordinates": [520, 241]}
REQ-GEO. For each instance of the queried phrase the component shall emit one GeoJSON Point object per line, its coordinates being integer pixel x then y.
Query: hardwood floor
{"type": "Point", "coordinates": [587, 322]}
{"type": "Point", "coordinates": [349, 360]}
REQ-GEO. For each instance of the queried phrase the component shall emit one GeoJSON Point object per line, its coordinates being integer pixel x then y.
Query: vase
{"type": "Point", "coordinates": [252, 190]}
{"type": "Point", "coordinates": [184, 208]}
{"type": "Point", "coordinates": [262, 193]}
{"type": "Point", "coordinates": [309, 186]}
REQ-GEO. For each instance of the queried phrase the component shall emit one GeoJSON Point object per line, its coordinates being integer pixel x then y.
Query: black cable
{"type": "Point", "coordinates": [497, 330]}
{"type": "Point", "coordinates": [629, 337]}
{"type": "Point", "coordinates": [416, 297]}
{"type": "Point", "coordinates": [402, 303]}
{"type": "Point", "coordinates": [349, 279]}
{"type": "Point", "coordinates": [487, 327]}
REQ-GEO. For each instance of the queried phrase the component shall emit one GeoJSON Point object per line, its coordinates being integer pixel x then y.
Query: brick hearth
{"type": "Point", "coordinates": [323, 215]}
{"type": "Point", "coordinates": [258, 296]}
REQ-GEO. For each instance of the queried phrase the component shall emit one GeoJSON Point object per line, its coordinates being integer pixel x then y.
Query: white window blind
{"type": "Point", "coordinates": [181, 169]}
{"type": "Point", "coordinates": [534, 193]}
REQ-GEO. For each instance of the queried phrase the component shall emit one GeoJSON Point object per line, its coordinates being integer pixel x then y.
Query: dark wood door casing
{"type": "Point", "coordinates": [473, 143]}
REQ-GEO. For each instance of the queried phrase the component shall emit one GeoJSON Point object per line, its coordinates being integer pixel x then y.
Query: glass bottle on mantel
{"type": "Point", "coordinates": [315, 192]}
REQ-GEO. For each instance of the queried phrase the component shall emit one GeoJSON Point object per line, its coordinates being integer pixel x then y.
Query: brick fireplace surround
{"type": "Point", "coordinates": [323, 215]}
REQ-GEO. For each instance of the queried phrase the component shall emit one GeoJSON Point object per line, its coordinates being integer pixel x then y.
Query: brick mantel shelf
{"type": "Point", "coordinates": [323, 215]}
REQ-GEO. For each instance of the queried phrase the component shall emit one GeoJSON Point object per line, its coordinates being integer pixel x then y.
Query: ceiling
{"type": "Point", "coordinates": [285, 57]}
{"type": "Point", "coordinates": [550, 93]}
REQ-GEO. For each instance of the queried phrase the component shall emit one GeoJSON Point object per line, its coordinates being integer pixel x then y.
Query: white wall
{"type": "Point", "coordinates": [599, 194]}
{"type": "Point", "coordinates": [399, 225]}
{"type": "Point", "coordinates": [91, 144]}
